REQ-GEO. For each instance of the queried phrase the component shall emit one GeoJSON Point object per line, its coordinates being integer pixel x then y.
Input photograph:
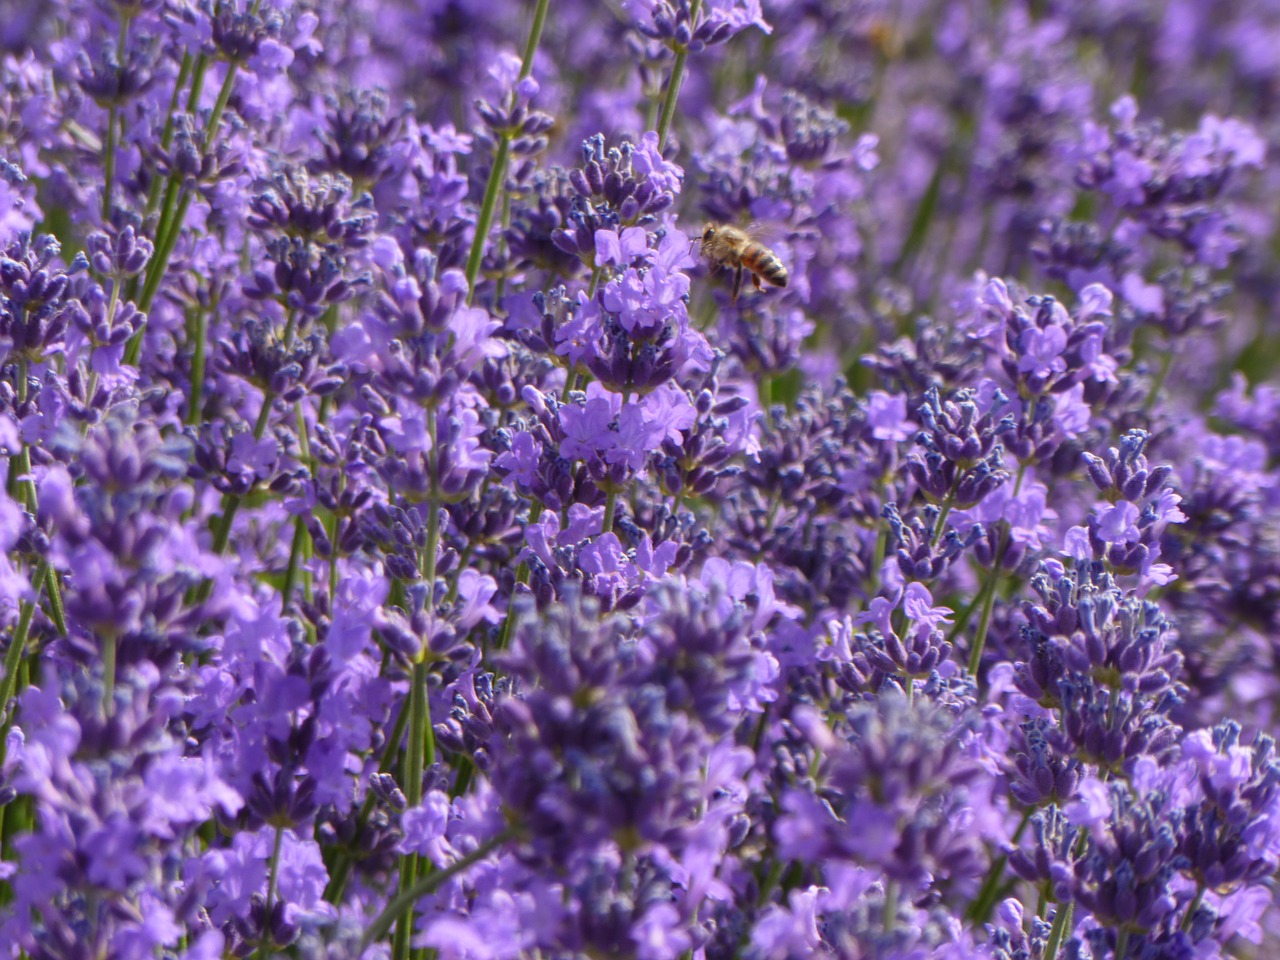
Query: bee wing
{"type": "Point", "coordinates": [767, 231]}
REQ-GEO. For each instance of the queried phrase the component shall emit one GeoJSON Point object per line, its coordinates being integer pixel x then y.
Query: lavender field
{"type": "Point", "coordinates": [639, 479]}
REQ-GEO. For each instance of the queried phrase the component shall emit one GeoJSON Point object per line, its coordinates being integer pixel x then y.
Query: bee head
{"type": "Point", "coordinates": [709, 233]}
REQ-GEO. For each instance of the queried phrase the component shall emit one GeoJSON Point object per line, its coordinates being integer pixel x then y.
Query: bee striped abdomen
{"type": "Point", "coordinates": [761, 261]}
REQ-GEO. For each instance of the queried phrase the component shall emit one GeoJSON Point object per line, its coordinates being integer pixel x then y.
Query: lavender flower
{"type": "Point", "coordinates": [409, 543]}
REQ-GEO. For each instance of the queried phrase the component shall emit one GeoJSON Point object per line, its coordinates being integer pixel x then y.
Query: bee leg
{"type": "Point", "coordinates": [755, 278]}
{"type": "Point", "coordinates": [737, 284]}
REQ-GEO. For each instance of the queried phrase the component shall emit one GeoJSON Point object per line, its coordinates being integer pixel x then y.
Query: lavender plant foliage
{"type": "Point", "coordinates": [412, 544]}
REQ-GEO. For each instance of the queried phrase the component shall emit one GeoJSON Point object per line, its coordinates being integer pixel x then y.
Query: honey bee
{"type": "Point", "coordinates": [729, 246]}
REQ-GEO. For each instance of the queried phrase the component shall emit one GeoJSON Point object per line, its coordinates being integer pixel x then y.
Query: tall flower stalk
{"type": "Point", "coordinates": [502, 154]}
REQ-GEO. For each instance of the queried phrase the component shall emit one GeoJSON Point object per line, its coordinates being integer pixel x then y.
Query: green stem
{"type": "Point", "coordinates": [113, 304]}
{"type": "Point", "coordinates": [271, 889]}
{"type": "Point", "coordinates": [655, 104]}
{"type": "Point", "coordinates": [940, 526]}
{"type": "Point", "coordinates": [168, 230]}
{"type": "Point", "coordinates": [304, 443]}
{"type": "Point", "coordinates": [113, 118]}
{"type": "Point", "coordinates": [771, 878]}
{"type": "Point", "coordinates": [1061, 920]}
{"type": "Point", "coordinates": [400, 944]}
{"type": "Point", "coordinates": [220, 106]}
{"type": "Point", "coordinates": [419, 718]}
{"type": "Point", "coordinates": [677, 78]}
{"type": "Point", "coordinates": [610, 507]}
{"type": "Point", "coordinates": [984, 621]}
{"type": "Point", "coordinates": [422, 743]}
{"type": "Point", "coordinates": [509, 621]}
{"type": "Point", "coordinates": [22, 467]}
{"type": "Point", "coordinates": [197, 83]}
{"type": "Point", "coordinates": [184, 74]}
{"type": "Point", "coordinates": [535, 35]}
{"type": "Point", "coordinates": [22, 489]}
{"type": "Point", "coordinates": [333, 556]}
{"type": "Point", "coordinates": [56, 610]}
{"type": "Point", "coordinates": [757, 737]}
{"type": "Point", "coordinates": [170, 194]}
{"type": "Point", "coordinates": [222, 535]}
{"type": "Point", "coordinates": [264, 415]}
{"type": "Point", "coordinates": [419, 715]}
{"type": "Point", "coordinates": [17, 646]}
{"type": "Point", "coordinates": [890, 918]}
{"type": "Point", "coordinates": [108, 673]}
{"type": "Point", "coordinates": [429, 884]}
{"type": "Point", "coordinates": [433, 515]}
{"type": "Point", "coordinates": [109, 163]}
{"type": "Point", "coordinates": [1192, 907]}
{"type": "Point", "coordinates": [466, 769]}
{"type": "Point", "coordinates": [295, 559]}
{"type": "Point", "coordinates": [196, 399]}
{"type": "Point", "coordinates": [498, 172]}
{"type": "Point", "coordinates": [166, 136]}
{"type": "Point", "coordinates": [166, 240]}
